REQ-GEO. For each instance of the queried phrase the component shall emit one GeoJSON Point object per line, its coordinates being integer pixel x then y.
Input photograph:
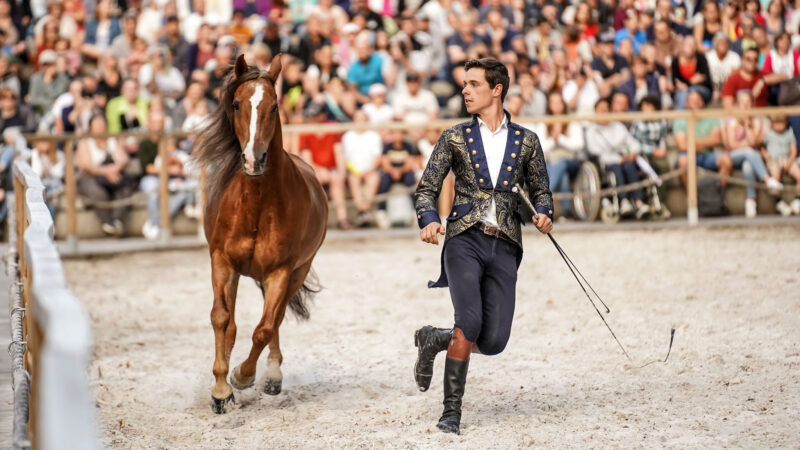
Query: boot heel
{"type": "Point", "coordinates": [416, 338]}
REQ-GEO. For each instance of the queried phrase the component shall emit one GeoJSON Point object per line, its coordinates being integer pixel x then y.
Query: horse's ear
{"type": "Point", "coordinates": [240, 67]}
{"type": "Point", "coordinates": [275, 67]}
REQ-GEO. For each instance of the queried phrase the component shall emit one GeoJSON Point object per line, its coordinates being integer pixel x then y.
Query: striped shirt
{"type": "Point", "coordinates": [651, 134]}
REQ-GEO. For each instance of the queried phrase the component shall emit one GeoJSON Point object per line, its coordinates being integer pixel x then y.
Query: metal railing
{"type": "Point", "coordinates": [50, 332]}
{"type": "Point", "coordinates": [292, 132]}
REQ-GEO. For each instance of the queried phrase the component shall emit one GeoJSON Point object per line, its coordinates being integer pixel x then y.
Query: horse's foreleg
{"type": "Point", "coordinates": [274, 360]}
{"type": "Point", "coordinates": [225, 282]}
{"type": "Point", "coordinates": [274, 308]}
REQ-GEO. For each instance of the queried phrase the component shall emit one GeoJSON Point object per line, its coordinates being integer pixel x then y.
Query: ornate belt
{"type": "Point", "coordinates": [493, 232]}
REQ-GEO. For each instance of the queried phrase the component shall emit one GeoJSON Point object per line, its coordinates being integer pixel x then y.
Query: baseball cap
{"type": "Point", "coordinates": [412, 76]}
{"type": "Point", "coordinates": [47, 57]}
{"type": "Point", "coordinates": [377, 89]}
{"type": "Point", "coordinates": [606, 37]}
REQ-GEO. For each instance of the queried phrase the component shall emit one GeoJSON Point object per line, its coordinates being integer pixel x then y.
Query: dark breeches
{"type": "Point", "coordinates": [482, 274]}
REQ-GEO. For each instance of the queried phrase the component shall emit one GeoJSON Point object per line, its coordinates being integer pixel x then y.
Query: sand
{"type": "Point", "coordinates": [733, 379]}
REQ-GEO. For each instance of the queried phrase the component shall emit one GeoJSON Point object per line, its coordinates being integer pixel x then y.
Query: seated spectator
{"type": "Point", "coordinates": [160, 77]}
{"type": "Point", "coordinates": [185, 106]}
{"type": "Point", "coordinates": [617, 151]}
{"type": "Point", "coordinates": [652, 138]}
{"type": "Point", "coordinates": [46, 84]}
{"type": "Point", "coordinates": [630, 31]}
{"type": "Point", "coordinates": [174, 42]}
{"type": "Point", "coordinates": [781, 64]}
{"type": "Point", "coordinates": [66, 100]}
{"type": "Point", "coordinates": [377, 110]}
{"type": "Point", "coordinates": [721, 61]}
{"type": "Point", "coordinates": [398, 164]}
{"type": "Point", "coordinates": [535, 101]}
{"type": "Point", "coordinates": [742, 136]}
{"type": "Point", "coordinates": [181, 193]}
{"type": "Point", "coordinates": [464, 38]}
{"type": "Point", "coordinates": [581, 93]}
{"type": "Point", "coordinates": [362, 151]}
{"type": "Point", "coordinates": [418, 105]}
{"type": "Point", "coordinates": [202, 51]}
{"type": "Point", "coordinates": [690, 70]}
{"type": "Point", "coordinates": [9, 79]}
{"type": "Point", "coordinates": [708, 136]}
{"type": "Point", "coordinates": [780, 153]}
{"type": "Point", "coordinates": [6, 190]}
{"type": "Point", "coordinates": [13, 30]}
{"type": "Point", "coordinates": [641, 84]}
{"type": "Point", "coordinates": [560, 143]}
{"type": "Point", "coordinates": [48, 163]}
{"type": "Point", "coordinates": [708, 26]}
{"type": "Point", "coordinates": [340, 103]}
{"type": "Point", "coordinates": [102, 177]}
{"type": "Point", "coordinates": [128, 111]}
{"type": "Point", "coordinates": [324, 152]}
{"type": "Point", "coordinates": [747, 78]}
{"type": "Point", "coordinates": [365, 71]}
{"type": "Point", "coordinates": [14, 114]}
{"type": "Point", "coordinates": [612, 68]}
{"type": "Point", "coordinates": [123, 43]}
{"type": "Point", "coordinates": [101, 31]}
{"type": "Point", "coordinates": [324, 67]}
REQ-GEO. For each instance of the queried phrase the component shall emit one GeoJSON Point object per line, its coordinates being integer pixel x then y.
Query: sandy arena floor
{"type": "Point", "coordinates": [733, 379]}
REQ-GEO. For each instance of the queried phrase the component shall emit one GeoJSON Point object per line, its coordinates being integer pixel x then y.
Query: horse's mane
{"type": "Point", "coordinates": [218, 151]}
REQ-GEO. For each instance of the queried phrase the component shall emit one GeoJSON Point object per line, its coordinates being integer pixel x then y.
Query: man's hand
{"type": "Point", "coordinates": [429, 233]}
{"type": "Point", "coordinates": [543, 223]}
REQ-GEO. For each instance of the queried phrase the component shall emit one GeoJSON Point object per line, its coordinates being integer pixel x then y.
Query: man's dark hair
{"type": "Point", "coordinates": [652, 100]}
{"type": "Point", "coordinates": [496, 72]}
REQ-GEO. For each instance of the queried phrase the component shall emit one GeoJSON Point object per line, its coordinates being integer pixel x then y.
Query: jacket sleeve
{"type": "Point", "coordinates": [538, 181]}
{"type": "Point", "coordinates": [427, 193]}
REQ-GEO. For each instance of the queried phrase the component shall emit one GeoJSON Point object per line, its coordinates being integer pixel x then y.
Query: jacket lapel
{"type": "Point", "coordinates": [512, 154]}
{"type": "Point", "coordinates": [475, 153]}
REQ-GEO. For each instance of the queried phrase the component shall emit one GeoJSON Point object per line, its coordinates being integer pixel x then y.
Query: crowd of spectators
{"type": "Point", "coordinates": [79, 66]}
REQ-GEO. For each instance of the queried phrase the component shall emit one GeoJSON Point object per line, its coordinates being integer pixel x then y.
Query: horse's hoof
{"type": "Point", "coordinates": [235, 382]}
{"type": "Point", "coordinates": [273, 387]}
{"type": "Point", "coordinates": [220, 406]}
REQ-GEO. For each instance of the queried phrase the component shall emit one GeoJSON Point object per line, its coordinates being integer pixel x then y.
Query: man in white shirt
{"type": "Point", "coordinates": [721, 61]}
{"type": "Point", "coordinates": [483, 243]}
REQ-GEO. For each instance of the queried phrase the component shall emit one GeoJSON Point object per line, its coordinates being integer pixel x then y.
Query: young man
{"type": "Point", "coordinates": [483, 242]}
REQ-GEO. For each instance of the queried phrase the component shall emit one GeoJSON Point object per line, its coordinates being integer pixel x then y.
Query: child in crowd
{"type": "Point", "coordinates": [377, 110]}
{"type": "Point", "coordinates": [652, 138]}
{"type": "Point", "coordinates": [780, 153]}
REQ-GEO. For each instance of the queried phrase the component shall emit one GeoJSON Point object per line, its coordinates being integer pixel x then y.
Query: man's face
{"type": "Point", "coordinates": [695, 101]}
{"type": "Point", "coordinates": [130, 90]}
{"type": "Point", "coordinates": [662, 32]}
{"type": "Point", "coordinates": [749, 62]}
{"type": "Point", "coordinates": [477, 92]}
{"type": "Point", "coordinates": [722, 46]}
{"type": "Point", "coordinates": [619, 103]}
{"type": "Point", "coordinates": [413, 86]}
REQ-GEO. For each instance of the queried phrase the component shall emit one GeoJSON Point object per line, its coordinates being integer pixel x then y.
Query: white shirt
{"type": "Point", "coordinates": [494, 147]}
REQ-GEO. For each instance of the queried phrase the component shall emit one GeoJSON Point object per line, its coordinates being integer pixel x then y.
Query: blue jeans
{"type": "Point", "coordinates": [681, 96]}
{"type": "Point", "coordinates": [626, 173]}
{"type": "Point", "coordinates": [561, 172]}
{"type": "Point", "coordinates": [752, 166]}
{"type": "Point", "coordinates": [177, 200]}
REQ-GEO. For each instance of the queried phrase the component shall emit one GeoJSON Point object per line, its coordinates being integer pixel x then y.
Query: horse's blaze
{"type": "Point", "coordinates": [255, 101]}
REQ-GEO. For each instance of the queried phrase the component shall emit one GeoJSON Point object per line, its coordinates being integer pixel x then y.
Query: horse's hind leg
{"type": "Point", "coordinates": [274, 360]}
{"type": "Point", "coordinates": [225, 282]}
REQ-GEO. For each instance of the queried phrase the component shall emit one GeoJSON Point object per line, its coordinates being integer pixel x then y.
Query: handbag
{"type": "Point", "coordinates": [789, 92]}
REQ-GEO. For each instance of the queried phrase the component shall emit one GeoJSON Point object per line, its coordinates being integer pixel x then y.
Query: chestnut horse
{"type": "Point", "coordinates": [265, 218]}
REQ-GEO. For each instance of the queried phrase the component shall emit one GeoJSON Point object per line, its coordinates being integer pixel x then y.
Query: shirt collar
{"type": "Point", "coordinates": [503, 124]}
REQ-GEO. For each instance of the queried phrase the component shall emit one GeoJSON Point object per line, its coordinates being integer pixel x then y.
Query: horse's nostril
{"type": "Point", "coordinates": [263, 158]}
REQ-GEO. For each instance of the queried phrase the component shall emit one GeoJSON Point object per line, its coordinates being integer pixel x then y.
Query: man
{"type": "Point", "coordinates": [612, 67]}
{"type": "Point", "coordinates": [418, 105]}
{"type": "Point", "coordinates": [46, 84]}
{"type": "Point", "coordinates": [721, 61]}
{"type": "Point", "coordinates": [129, 110]}
{"type": "Point", "coordinates": [747, 78]}
{"type": "Point", "coordinates": [708, 135]}
{"type": "Point", "coordinates": [364, 72]}
{"type": "Point", "coordinates": [483, 243]}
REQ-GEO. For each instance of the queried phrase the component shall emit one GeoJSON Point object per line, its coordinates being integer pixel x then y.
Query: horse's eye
{"type": "Point", "coordinates": [274, 109]}
{"type": "Point", "coordinates": [236, 105]}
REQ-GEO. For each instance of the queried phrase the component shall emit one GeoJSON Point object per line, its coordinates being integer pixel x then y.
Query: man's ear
{"type": "Point", "coordinates": [498, 90]}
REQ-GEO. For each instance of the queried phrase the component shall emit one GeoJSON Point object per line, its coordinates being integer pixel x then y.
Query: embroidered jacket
{"type": "Point", "coordinates": [460, 148]}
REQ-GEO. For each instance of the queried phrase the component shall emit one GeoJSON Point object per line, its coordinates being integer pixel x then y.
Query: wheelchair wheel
{"type": "Point", "coordinates": [585, 188]}
{"type": "Point", "coordinates": [609, 215]}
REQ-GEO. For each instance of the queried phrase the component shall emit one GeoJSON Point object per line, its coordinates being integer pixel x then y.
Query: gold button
{"type": "Point", "coordinates": [505, 183]}
{"type": "Point", "coordinates": [480, 181]}
{"type": "Point", "coordinates": [471, 140]}
{"type": "Point", "coordinates": [474, 152]}
{"type": "Point", "coordinates": [419, 216]}
{"type": "Point", "coordinates": [455, 213]}
{"type": "Point", "coordinates": [469, 130]}
{"type": "Point", "coordinates": [477, 166]}
{"type": "Point", "coordinates": [517, 133]}
{"type": "Point", "coordinates": [513, 155]}
{"type": "Point", "coordinates": [508, 168]}
{"type": "Point", "coordinates": [551, 211]}
{"type": "Point", "coordinates": [516, 142]}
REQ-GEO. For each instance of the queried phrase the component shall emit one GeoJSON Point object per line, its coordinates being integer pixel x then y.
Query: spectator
{"type": "Point", "coordinates": [128, 111]}
{"type": "Point", "coordinates": [365, 72]}
{"type": "Point", "coordinates": [160, 77]}
{"type": "Point", "coordinates": [372, 20]}
{"type": "Point", "coordinates": [581, 93]}
{"type": "Point", "coordinates": [747, 78]}
{"type": "Point", "coordinates": [101, 31]}
{"type": "Point", "coordinates": [101, 163]}
{"type": "Point", "coordinates": [742, 136]}
{"type": "Point", "coordinates": [612, 68]}
{"type": "Point", "coordinates": [239, 29]}
{"type": "Point", "coordinates": [324, 152]}
{"type": "Point", "coordinates": [781, 64]}
{"type": "Point", "coordinates": [690, 70]}
{"type": "Point", "coordinates": [665, 43]}
{"type": "Point", "coordinates": [541, 39]}
{"type": "Point", "coordinates": [151, 18]}
{"type": "Point", "coordinates": [311, 41]}
{"type": "Point", "coordinates": [173, 40]}
{"type": "Point", "coordinates": [418, 105]}
{"type": "Point", "coordinates": [188, 104]}
{"type": "Point", "coordinates": [535, 102]}
{"type": "Point", "coordinates": [398, 163]}
{"type": "Point", "coordinates": [191, 24]}
{"type": "Point", "coordinates": [652, 138]}
{"type": "Point", "coordinates": [324, 67]}
{"type": "Point", "coordinates": [617, 151]}
{"type": "Point", "coordinates": [15, 114]}
{"type": "Point", "coordinates": [780, 153]}
{"type": "Point", "coordinates": [775, 18]}
{"type": "Point", "coordinates": [708, 135]}
{"type": "Point", "coordinates": [12, 29]}
{"type": "Point", "coordinates": [709, 25]}
{"type": "Point", "coordinates": [201, 52]}
{"type": "Point", "coordinates": [150, 161]}
{"type": "Point", "coordinates": [9, 79]}
{"type": "Point", "coordinates": [632, 31]}
{"type": "Point", "coordinates": [377, 110]}
{"type": "Point", "coordinates": [123, 43]}
{"type": "Point", "coordinates": [460, 42]}
{"type": "Point", "coordinates": [66, 100]}
{"type": "Point", "coordinates": [721, 61]}
{"type": "Point", "coordinates": [641, 84]}
{"type": "Point", "coordinates": [48, 163]}
{"type": "Point", "coordinates": [65, 25]}
{"type": "Point", "coordinates": [362, 151]}
{"type": "Point", "coordinates": [46, 84]}
{"type": "Point", "coordinates": [109, 77]}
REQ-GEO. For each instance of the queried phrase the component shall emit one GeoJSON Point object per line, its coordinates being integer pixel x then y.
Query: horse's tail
{"type": "Point", "coordinates": [299, 301]}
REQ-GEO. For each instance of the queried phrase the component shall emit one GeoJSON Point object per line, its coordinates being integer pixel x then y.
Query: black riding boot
{"type": "Point", "coordinates": [455, 378]}
{"type": "Point", "coordinates": [429, 342]}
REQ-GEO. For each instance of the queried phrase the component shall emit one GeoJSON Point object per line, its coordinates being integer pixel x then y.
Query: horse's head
{"type": "Point", "coordinates": [255, 113]}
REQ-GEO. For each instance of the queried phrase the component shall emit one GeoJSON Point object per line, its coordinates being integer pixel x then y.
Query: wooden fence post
{"type": "Point", "coordinates": [163, 188]}
{"type": "Point", "coordinates": [691, 176]}
{"type": "Point", "coordinates": [72, 195]}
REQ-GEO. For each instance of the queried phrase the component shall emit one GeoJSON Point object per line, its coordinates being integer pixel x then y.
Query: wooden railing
{"type": "Point", "coordinates": [291, 133]}
{"type": "Point", "coordinates": [55, 329]}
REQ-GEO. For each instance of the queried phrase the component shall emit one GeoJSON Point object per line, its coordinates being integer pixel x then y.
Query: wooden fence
{"type": "Point", "coordinates": [55, 337]}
